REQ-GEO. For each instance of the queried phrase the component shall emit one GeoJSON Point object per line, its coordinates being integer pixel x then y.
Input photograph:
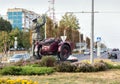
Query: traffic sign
{"type": "Point", "coordinates": [98, 38]}
{"type": "Point", "coordinates": [63, 38]}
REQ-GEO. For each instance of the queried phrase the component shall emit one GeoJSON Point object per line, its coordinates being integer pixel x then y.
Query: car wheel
{"type": "Point", "coordinates": [64, 53]}
{"type": "Point", "coordinates": [116, 57]}
{"type": "Point", "coordinates": [109, 57]}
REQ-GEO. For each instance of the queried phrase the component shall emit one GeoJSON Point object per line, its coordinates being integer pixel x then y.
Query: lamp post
{"type": "Point", "coordinates": [92, 34]}
{"type": "Point", "coordinates": [15, 44]}
{"type": "Point", "coordinates": [98, 46]}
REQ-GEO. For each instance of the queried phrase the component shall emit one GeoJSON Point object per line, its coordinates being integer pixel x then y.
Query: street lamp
{"type": "Point", "coordinates": [15, 43]}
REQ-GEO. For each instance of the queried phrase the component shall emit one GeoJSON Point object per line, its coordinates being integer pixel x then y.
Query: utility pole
{"type": "Point", "coordinates": [92, 35]}
{"type": "Point", "coordinates": [52, 9]}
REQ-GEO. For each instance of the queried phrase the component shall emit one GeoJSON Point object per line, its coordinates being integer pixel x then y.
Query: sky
{"type": "Point", "coordinates": [106, 22]}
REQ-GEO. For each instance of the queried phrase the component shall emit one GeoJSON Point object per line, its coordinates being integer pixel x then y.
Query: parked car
{"type": "Point", "coordinates": [86, 52]}
{"type": "Point", "coordinates": [112, 55]}
{"type": "Point", "coordinates": [19, 57]}
{"type": "Point", "coordinates": [12, 49]}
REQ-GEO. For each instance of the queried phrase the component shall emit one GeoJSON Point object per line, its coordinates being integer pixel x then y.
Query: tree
{"type": "Point", "coordinates": [23, 38]}
{"type": "Point", "coordinates": [5, 25]}
{"type": "Point", "coordinates": [69, 21]}
{"type": "Point", "coordinates": [4, 41]}
{"type": "Point", "coordinates": [49, 28]}
{"type": "Point", "coordinates": [25, 42]}
{"type": "Point", "coordinates": [88, 42]}
{"type": "Point", "coordinates": [14, 33]}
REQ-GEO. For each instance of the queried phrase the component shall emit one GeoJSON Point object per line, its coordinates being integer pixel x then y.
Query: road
{"type": "Point", "coordinates": [103, 56]}
{"type": "Point", "coordinates": [81, 57]}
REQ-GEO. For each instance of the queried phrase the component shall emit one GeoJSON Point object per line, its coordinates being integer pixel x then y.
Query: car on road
{"type": "Point", "coordinates": [112, 55]}
{"type": "Point", "coordinates": [19, 57]}
{"type": "Point", "coordinates": [87, 52]}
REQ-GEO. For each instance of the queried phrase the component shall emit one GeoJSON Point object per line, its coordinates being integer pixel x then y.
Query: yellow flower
{"type": "Point", "coordinates": [24, 81]}
{"type": "Point", "coordinates": [35, 82]}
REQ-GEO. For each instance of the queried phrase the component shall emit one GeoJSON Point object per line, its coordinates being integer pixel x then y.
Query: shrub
{"type": "Point", "coordinates": [11, 70]}
{"type": "Point", "coordinates": [48, 61]}
{"type": "Point", "coordinates": [65, 67]}
{"type": "Point", "coordinates": [80, 67]}
{"type": "Point", "coordinates": [1, 65]}
{"type": "Point", "coordinates": [113, 65]}
{"type": "Point", "coordinates": [84, 67]}
{"type": "Point", "coordinates": [100, 66]}
{"type": "Point", "coordinates": [26, 70]}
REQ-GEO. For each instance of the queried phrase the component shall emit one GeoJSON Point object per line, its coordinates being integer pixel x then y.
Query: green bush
{"type": "Point", "coordinates": [26, 70]}
{"type": "Point", "coordinates": [48, 61]}
{"type": "Point", "coordinates": [11, 70]}
{"type": "Point", "coordinates": [65, 67]}
{"type": "Point", "coordinates": [113, 65]}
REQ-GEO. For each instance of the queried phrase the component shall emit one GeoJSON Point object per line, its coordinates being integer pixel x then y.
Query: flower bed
{"type": "Point", "coordinates": [17, 81]}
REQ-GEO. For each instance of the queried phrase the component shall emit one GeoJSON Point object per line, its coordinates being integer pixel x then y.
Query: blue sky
{"type": "Point", "coordinates": [106, 24]}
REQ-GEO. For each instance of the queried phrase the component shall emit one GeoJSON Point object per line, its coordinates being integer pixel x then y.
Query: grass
{"type": "Point", "coordinates": [104, 77]}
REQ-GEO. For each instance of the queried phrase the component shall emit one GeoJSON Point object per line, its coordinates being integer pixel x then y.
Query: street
{"type": "Point", "coordinates": [103, 56]}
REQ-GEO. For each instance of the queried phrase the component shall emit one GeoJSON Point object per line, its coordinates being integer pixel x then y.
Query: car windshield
{"type": "Point", "coordinates": [17, 56]}
{"type": "Point", "coordinates": [113, 53]}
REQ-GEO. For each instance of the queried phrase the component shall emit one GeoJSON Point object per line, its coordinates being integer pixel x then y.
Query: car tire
{"type": "Point", "coordinates": [115, 57]}
{"type": "Point", "coordinates": [64, 52]}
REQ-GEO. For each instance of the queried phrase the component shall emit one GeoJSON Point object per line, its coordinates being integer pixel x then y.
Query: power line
{"type": "Point", "coordinates": [115, 12]}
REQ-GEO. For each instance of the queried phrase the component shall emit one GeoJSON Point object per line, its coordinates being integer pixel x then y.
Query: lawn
{"type": "Point", "coordinates": [103, 77]}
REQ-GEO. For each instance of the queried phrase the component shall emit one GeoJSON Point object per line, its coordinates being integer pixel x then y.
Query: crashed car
{"type": "Point", "coordinates": [52, 46]}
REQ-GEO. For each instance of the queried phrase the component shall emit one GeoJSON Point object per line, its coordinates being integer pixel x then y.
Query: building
{"type": "Point", "coordinates": [21, 18]}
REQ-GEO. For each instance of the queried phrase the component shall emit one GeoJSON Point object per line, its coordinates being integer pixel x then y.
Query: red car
{"type": "Point", "coordinates": [52, 46]}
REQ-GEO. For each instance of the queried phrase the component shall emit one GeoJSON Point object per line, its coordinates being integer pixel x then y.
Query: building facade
{"type": "Point", "coordinates": [21, 18]}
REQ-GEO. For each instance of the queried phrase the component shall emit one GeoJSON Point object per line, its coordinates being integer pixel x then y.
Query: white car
{"type": "Point", "coordinates": [19, 57]}
{"type": "Point", "coordinates": [86, 52]}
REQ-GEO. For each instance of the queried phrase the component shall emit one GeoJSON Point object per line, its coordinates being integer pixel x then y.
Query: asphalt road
{"type": "Point", "coordinates": [103, 56]}
{"type": "Point", "coordinates": [81, 57]}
